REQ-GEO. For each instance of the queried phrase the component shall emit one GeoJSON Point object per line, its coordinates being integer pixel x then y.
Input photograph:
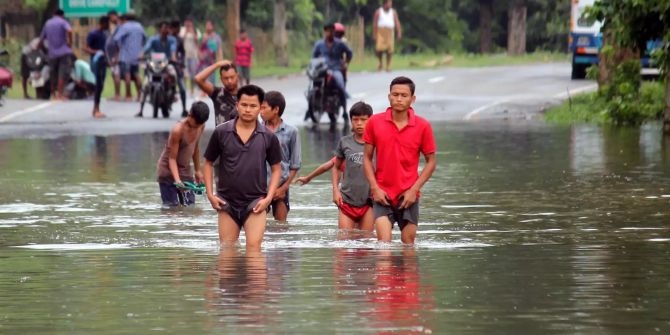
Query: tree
{"type": "Point", "coordinates": [232, 24]}
{"type": "Point", "coordinates": [516, 28]}
{"type": "Point", "coordinates": [280, 36]}
{"type": "Point", "coordinates": [485, 26]}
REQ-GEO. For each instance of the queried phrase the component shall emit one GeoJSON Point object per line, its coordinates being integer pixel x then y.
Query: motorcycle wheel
{"type": "Point", "coordinates": [165, 109]}
{"type": "Point", "coordinates": [155, 103]}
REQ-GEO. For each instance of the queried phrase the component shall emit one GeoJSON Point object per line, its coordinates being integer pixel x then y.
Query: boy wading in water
{"type": "Point", "coordinates": [398, 137]}
{"type": "Point", "coordinates": [173, 167]}
{"type": "Point", "coordinates": [243, 146]}
{"type": "Point", "coordinates": [352, 196]}
{"type": "Point", "coordinates": [271, 112]}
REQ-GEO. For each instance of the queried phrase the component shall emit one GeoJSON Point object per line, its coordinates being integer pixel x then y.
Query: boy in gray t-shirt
{"type": "Point", "coordinates": [353, 195]}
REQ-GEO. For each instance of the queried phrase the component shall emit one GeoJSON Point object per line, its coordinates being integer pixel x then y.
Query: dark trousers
{"type": "Point", "coordinates": [100, 74]}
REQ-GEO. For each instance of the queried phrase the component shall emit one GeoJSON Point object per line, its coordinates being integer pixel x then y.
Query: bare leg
{"type": "Point", "coordinates": [408, 234]}
{"type": "Point", "coordinates": [368, 221]}
{"type": "Point", "coordinates": [389, 55]}
{"type": "Point", "coordinates": [345, 222]}
{"type": "Point", "coordinates": [384, 229]}
{"type": "Point", "coordinates": [24, 85]}
{"type": "Point", "coordinates": [254, 229]}
{"type": "Point", "coordinates": [129, 95]}
{"type": "Point", "coordinates": [116, 77]}
{"type": "Point", "coordinates": [280, 211]}
{"type": "Point", "coordinates": [229, 231]}
{"type": "Point", "coordinates": [138, 85]}
{"type": "Point", "coordinates": [61, 88]}
{"type": "Point", "coordinates": [379, 57]}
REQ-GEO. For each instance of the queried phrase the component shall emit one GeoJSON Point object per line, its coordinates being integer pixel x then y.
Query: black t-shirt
{"type": "Point", "coordinates": [96, 40]}
{"type": "Point", "coordinates": [225, 105]}
{"type": "Point", "coordinates": [242, 170]}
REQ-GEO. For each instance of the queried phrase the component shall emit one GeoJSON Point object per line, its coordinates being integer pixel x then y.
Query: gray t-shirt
{"type": "Point", "coordinates": [354, 186]}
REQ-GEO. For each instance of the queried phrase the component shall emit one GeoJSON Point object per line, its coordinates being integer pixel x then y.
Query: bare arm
{"type": "Point", "coordinates": [173, 150]}
{"type": "Point", "coordinates": [378, 194]}
{"type": "Point", "coordinates": [69, 38]}
{"type": "Point", "coordinates": [317, 172]}
{"type": "Point", "coordinates": [274, 183]}
{"type": "Point", "coordinates": [196, 158]}
{"type": "Point", "coordinates": [209, 185]}
{"type": "Point", "coordinates": [374, 24]}
{"type": "Point", "coordinates": [336, 174]}
{"type": "Point", "coordinates": [397, 24]}
{"type": "Point", "coordinates": [201, 78]}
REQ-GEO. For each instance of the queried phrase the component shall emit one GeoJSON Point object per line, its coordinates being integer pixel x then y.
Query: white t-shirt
{"type": "Point", "coordinates": [386, 19]}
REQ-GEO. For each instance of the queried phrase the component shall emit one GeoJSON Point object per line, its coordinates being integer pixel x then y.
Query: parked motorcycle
{"type": "Point", "coordinates": [6, 76]}
{"type": "Point", "coordinates": [323, 95]}
{"type": "Point", "coordinates": [36, 59]}
{"type": "Point", "coordinates": [157, 85]}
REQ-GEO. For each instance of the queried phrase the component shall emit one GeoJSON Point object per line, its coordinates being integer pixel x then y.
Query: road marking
{"type": "Point", "coordinates": [576, 91]}
{"type": "Point", "coordinates": [474, 113]}
{"type": "Point", "coordinates": [435, 79]}
{"type": "Point", "coordinates": [26, 111]}
{"type": "Point", "coordinates": [359, 95]}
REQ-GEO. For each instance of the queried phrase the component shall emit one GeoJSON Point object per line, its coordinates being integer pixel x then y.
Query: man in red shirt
{"type": "Point", "coordinates": [243, 51]}
{"type": "Point", "coordinates": [398, 136]}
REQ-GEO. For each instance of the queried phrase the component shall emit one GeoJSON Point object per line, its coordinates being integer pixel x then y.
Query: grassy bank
{"type": "Point", "coordinates": [592, 108]}
{"type": "Point", "coordinates": [266, 68]}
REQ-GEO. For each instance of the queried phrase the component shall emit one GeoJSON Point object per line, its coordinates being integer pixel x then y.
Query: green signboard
{"type": "Point", "coordinates": [93, 8]}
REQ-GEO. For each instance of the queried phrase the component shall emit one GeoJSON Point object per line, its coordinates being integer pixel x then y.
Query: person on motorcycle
{"type": "Point", "coordinates": [332, 49]}
{"type": "Point", "coordinates": [166, 44]}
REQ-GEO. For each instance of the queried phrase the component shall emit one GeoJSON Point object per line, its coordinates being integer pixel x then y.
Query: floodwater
{"type": "Point", "coordinates": [526, 228]}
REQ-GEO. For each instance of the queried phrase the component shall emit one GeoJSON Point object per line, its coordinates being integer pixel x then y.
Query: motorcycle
{"type": "Point", "coordinates": [157, 85]}
{"type": "Point", "coordinates": [36, 60]}
{"type": "Point", "coordinates": [323, 95]}
{"type": "Point", "coordinates": [6, 76]}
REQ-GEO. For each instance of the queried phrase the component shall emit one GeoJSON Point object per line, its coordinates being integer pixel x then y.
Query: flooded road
{"type": "Point", "coordinates": [526, 228]}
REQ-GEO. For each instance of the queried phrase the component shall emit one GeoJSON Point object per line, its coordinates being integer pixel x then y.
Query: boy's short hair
{"type": "Point", "coordinates": [360, 109]}
{"type": "Point", "coordinates": [251, 90]}
{"type": "Point", "coordinates": [403, 81]}
{"type": "Point", "coordinates": [276, 99]}
{"type": "Point", "coordinates": [199, 112]}
{"type": "Point", "coordinates": [227, 67]}
{"type": "Point", "coordinates": [60, 12]}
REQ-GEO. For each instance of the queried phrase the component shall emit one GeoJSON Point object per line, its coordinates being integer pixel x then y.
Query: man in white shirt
{"type": "Point", "coordinates": [384, 23]}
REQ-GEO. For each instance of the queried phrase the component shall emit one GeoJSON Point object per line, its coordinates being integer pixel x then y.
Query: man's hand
{"type": "Point", "coordinates": [337, 197]}
{"type": "Point", "coordinates": [408, 198]}
{"type": "Point", "coordinates": [280, 193]}
{"type": "Point", "coordinates": [380, 196]}
{"type": "Point", "coordinates": [302, 181]}
{"type": "Point", "coordinates": [217, 203]}
{"type": "Point", "coordinates": [199, 178]}
{"type": "Point", "coordinates": [262, 205]}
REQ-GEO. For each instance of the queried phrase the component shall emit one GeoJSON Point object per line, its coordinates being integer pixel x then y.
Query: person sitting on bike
{"type": "Point", "coordinates": [166, 44]}
{"type": "Point", "coordinates": [332, 49]}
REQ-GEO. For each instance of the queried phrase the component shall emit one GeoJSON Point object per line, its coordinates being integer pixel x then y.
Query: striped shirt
{"type": "Point", "coordinates": [243, 51]}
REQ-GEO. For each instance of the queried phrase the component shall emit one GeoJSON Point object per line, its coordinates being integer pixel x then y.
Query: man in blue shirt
{"type": "Point", "coordinates": [166, 44]}
{"type": "Point", "coordinates": [333, 49]}
{"type": "Point", "coordinates": [130, 39]}
{"type": "Point", "coordinates": [95, 46]}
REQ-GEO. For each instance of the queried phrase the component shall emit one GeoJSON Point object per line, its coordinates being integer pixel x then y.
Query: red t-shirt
{"type": "Point", "coordinates": [398, 151]}
{"type": "Point", "coordinates": [243, 51]}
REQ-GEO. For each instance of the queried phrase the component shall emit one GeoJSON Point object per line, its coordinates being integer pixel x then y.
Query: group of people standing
{"type": "Point", "coordinates": [374, 172]}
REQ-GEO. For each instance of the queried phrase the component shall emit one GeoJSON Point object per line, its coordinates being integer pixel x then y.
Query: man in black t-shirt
{"type": "Point", "coordinates": [242, 147]}
{"type": "Point", "coordinates": [224, 98]}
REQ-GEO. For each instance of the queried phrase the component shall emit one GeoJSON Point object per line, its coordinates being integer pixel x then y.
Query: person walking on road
{"type": "Point", "coordinates": [57, 32]}
{"type": "Point", "coordinates": [243, 51]}
{"type": "Point", "coordinates": [211, 50]}
{"type": "Point", "coordinates": [112, 54]}
{"type": "Point", "coordinates": [384, 24]}
{"type": "Point", "coordinates": [242, 148]}
{"type": "Point", "coordinates": [130, 38]}
{"type": "Point", "coordinates": [180, 56]}
{"type": "Point", "coordinates": [398, 137]}
{"type": "Point", "coordinates": [224, 98]}
{"type": "Point", "coordinates": [95, 47]}
{"type": "Point", "coordinates": [190, 36]}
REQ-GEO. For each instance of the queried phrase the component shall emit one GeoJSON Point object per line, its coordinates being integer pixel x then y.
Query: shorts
{"type": "Point", "coordinates": [244, 71]}
{"type": "Point", "coordinates": [25, 69]}
{"type": "Point", "coordinates": [132, 69]}
{"type": "Point", "coordinates": [354, 212]}
{"type": "Point", "coordinates": [239, 214]}
{"type": "Point", "coordinates": [61, 67]}
{"type": "Point", "coordinates": [401, 216]}
{"type": "Point", "coordinates": [275, 202]}
{"type": "Point", "coordinates": [173, 197]}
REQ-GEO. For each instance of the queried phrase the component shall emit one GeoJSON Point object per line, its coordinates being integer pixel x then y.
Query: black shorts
{"type": "Point", "coordinates": [125, 68]}
{"type": "Point", "coordinates": [61, 67]}
{"type": "Point", "coordinates": [401, 216]}
{"type": "Point", "coordinates": [239, 213]}
{"type": "Point", "coordinates": [173, 196]}
{"type": "Point", "coordinates": [274, 203]}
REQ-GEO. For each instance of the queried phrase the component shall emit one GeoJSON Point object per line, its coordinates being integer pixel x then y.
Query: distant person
{"type": "Point", "coordinates": [95, 47]}
{"type": "Point", "coordinates": [332, 50]}
{"type": "Point", "coordinates": [243, 147]}
{"type": "Point", "coordinates": [351, 190]}
{"type": "Point", "coordinates": [174, 165]}
{"type": "Point", "coordinates": [398, 137]}
{"type": "Point", "coordinates": [224, 98]}
{"type": "Point", "coordinates": [83, 81]}
{"type": "Point", "coordinates": [180, 57]}
{"type": "Point", "coordinates": [25, 67]}
{"type": "Point", "coordinates": [57, 32]}
{"type": "Point", "coordinates": [384, 24]}
{"type": "Point", "coordinates": [190, 36]}
{"type": "Point", "coordinates": [244, 49]}
{"type": "Point", "coordinates": [130, 38]}
{"type": "Point", "coordinates": [210, 50]}
{"type": "Point", "coordinates": [112, 54]}
{"type": "Point", "coordinates": [272, 109]}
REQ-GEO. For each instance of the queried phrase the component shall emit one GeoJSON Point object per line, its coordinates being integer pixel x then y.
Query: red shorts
{"type": "Point", "coordinates": [353, 212]}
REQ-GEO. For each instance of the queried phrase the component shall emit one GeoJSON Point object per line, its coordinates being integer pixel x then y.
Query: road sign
{"type": "Point", "coordinates": [93, 8]}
